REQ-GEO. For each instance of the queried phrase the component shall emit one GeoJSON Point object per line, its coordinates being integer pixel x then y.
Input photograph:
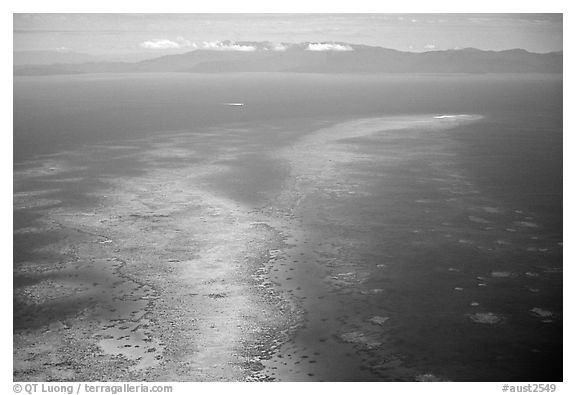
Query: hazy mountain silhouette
{"type": "Point", "coordinates": [319, 58]}
{"type": "Point", "coordinates": [50, 57]}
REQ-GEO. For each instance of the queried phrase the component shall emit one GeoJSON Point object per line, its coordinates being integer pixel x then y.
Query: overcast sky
{"type": "Point", "coordinates": [132, 33]}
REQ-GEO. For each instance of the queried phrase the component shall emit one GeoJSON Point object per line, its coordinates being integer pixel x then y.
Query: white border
{"type": "Point", "coordinates": [293, 6]}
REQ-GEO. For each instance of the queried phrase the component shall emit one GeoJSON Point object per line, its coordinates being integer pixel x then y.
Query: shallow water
{"type": "Point", "coordinates": [414, 252]}
{"type": "Point", "coordinates": [409, 239]}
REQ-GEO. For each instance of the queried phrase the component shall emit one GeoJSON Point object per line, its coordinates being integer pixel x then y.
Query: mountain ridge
{"type": "Point", "coordinates": [322, 57]}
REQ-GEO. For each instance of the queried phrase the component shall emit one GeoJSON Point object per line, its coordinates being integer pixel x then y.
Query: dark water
{"type": "Point", "coordinates": [52, 113]}
{"type": "Point", "coordinates": [472, 216]}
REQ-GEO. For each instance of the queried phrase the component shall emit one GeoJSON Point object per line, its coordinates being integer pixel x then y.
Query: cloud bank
{"type": "Point", "coordinates": [163, 43]}
{"type": "Point", "coordinates": [182, 43]}
{"type": "Point", "coordinates": [226, 46]}
{"type": "Point", "coordinates": [278, 47]}
{"type": "Point", "coordinates": [328, 47]}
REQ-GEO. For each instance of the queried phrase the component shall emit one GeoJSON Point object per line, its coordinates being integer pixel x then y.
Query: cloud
{"type": "Point", "coordinates": [160, 44]}
{"type": "Point", "coordinates": [271, 46]}
{"type": "Point", "coordinates": [429, 46]}
{"type": "Point", "coordinates": [226, 46]}
{"type": "Point", "coordinates": [184, 43]}
{"type": "Point", "coordinates": [279, 47]}
{"type": "Point", "coordinates": [180, 42]}
{"type": "Point", "coordinates": [328, 47]}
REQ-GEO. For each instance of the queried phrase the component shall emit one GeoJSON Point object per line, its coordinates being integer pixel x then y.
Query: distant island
{"type": "Point", "coordinates": [308, 57]}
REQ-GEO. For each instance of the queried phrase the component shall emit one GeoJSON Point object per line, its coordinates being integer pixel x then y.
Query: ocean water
{"type": "Point", "coordinates": [451, 239]}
